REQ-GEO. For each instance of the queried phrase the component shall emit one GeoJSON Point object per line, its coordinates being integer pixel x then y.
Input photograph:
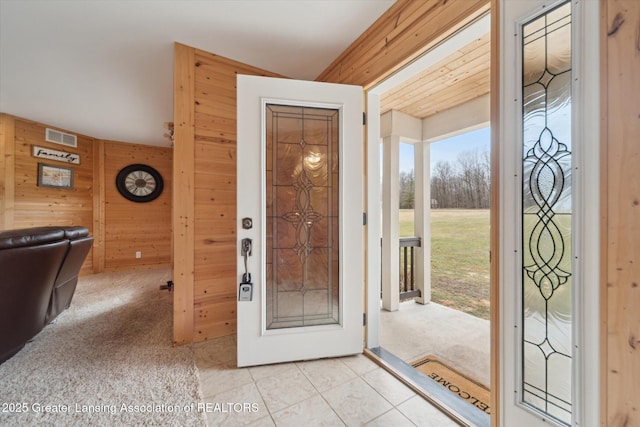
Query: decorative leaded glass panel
{"type": "Point", "coordinates": [546, 214]}
{"type": "Point", "coordinates": [302, 216]}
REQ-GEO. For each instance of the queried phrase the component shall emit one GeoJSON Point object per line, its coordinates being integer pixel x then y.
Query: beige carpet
{"type": "Point", "coordinates": [108, 360]}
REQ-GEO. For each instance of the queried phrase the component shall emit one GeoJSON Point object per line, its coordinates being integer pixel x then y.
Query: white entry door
{"type": "Point", "coordinates": [300, 202]}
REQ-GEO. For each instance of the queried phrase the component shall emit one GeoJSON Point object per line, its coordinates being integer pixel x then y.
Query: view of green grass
{"type": "Point", "coordinates": [459, 257]}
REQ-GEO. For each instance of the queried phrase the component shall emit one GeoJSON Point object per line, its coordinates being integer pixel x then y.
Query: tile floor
{"type": "Point", "coordinates": [345, 391]}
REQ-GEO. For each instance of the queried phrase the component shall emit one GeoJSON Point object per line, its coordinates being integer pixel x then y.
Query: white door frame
{"type": "Point", "coordinates": [374, 221]}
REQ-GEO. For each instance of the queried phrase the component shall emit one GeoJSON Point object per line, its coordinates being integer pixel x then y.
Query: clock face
{"type": "Point", "coordinates": [139, 183]}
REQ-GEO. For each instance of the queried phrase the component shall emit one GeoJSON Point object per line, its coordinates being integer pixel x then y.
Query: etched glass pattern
{"type": "Point", "coordinates": [546, 214]}
{"type": "Point", "coordinates": [302, 216]}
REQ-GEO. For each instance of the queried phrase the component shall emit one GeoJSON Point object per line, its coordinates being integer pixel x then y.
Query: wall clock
{"type": "Point", "coordinates": [139, 183]}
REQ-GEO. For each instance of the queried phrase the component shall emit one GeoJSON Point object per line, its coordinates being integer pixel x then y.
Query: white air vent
{"type": "Point", "coordinates": [61, 138]}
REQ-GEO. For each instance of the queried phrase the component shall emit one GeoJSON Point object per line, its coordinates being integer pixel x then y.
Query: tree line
{"type": "Point", "coordinates": [463, 184]}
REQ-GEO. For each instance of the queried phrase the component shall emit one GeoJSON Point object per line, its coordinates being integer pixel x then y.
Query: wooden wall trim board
{"type": "Point", "coordinates": [99, 208]}
{"type": "Point", "coordinates": [183, 194]}
{"type": "Point", "coordinates": [621, 210]}
{"type": "Point", "coordinates": [404, 32]}
{"type": "Point", "coordinates": [3, 168]}
{"type": "Point", "coordinates": [7, 170]}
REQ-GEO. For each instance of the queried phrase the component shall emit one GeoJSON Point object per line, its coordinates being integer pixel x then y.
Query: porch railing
{"type": "Point", "coordinates": [407, 267]}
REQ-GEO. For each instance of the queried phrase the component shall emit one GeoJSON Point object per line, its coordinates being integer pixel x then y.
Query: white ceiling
{"type": "Point", "coordinates": [104, 68]}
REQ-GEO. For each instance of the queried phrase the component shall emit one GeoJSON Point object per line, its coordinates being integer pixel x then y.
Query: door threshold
{"type": "Point", "coordinates": [460, 411]}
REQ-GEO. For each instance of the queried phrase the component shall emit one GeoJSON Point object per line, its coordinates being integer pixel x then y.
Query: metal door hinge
{"type": "Point", "coordinates": [364, 218]}
{"type": "Point", "coordinates": [364, 319]}
{"type": "Point", "coordinates": [364, 118]}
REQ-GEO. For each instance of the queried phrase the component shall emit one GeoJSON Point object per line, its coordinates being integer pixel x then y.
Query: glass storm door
{"type": "Point", "coordinates": [299, 180]}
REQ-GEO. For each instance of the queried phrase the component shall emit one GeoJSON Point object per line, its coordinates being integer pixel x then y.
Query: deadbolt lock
{"type": "Point", "coordinates": [247, 223]}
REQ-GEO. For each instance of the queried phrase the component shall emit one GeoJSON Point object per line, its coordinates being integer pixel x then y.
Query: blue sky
{"type": "Point", "coordinates": [448, 149]}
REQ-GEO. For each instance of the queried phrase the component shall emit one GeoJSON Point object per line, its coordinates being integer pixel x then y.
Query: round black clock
{"type": "Point", "coordinates": [139, 183]}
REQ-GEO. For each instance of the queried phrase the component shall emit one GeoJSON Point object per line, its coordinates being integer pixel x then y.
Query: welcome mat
{"type": "Point", "coordinates": [456, 382]}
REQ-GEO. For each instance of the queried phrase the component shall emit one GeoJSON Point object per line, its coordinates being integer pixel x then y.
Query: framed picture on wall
{"type": "Point", "coordinates": [55, 176]}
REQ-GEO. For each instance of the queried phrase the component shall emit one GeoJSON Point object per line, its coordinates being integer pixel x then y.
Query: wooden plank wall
{"type": "Point", "coordinates": [24, 204]}
{"type": "Point", "coordinates": [131, 227]}
{"type": "Point", "coordinates": [35, 206]}
{"type": "Point", "coordinates": [205, 210]}
{"type": "Point", "coordinates": [620, 196]}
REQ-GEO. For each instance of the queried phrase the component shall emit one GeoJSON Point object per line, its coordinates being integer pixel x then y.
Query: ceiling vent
{"type": "Point", "coordinates": [61, 138]}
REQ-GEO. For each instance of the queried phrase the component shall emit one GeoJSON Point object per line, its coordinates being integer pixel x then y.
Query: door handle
{"type": "Point", "coordinates": [246, 287]}
{"type": "Point", "coordinates": [246, 246]}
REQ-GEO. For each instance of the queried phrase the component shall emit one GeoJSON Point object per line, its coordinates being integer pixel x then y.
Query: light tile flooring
{"type": "Point", "coordinates": [345, 391]}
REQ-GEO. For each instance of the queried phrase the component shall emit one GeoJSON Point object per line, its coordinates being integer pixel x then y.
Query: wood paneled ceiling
{"type": "Point", "coordinates": [458, 78]}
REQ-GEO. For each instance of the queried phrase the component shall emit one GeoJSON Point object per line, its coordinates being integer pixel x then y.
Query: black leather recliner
{"type": "Point", "coordinates": [65, 284]}
{"type": "Point", "coordinates": [39, 270]}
